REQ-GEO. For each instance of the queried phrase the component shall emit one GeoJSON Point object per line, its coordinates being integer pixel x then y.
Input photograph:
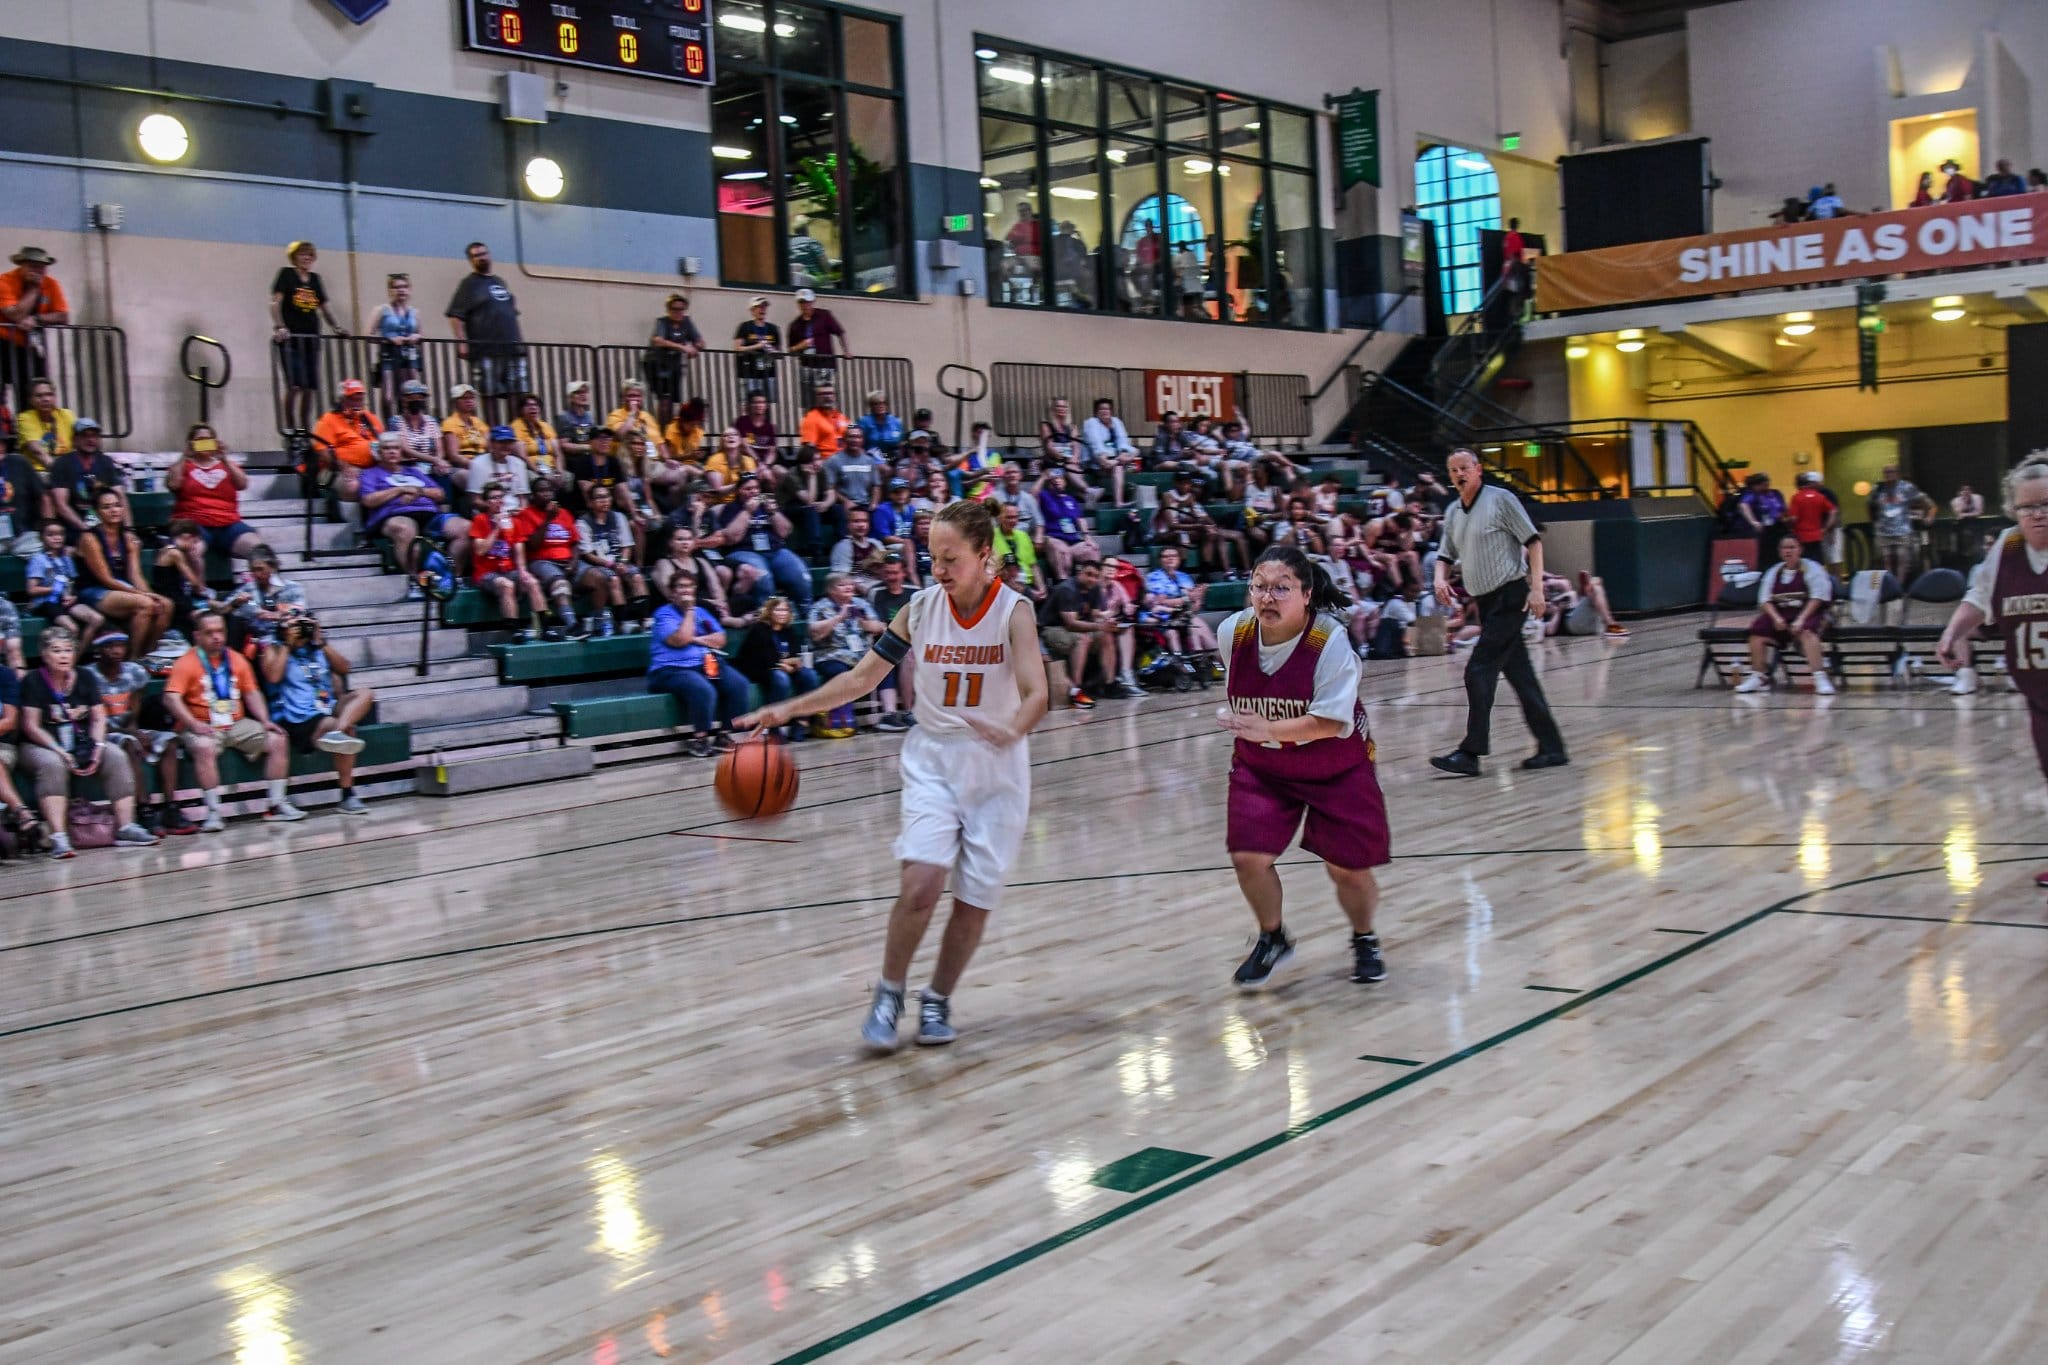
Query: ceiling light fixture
{"type": "Point", "coordinates": [1948, 308]}
{"type": "Point", "coordinates": [731, 153]}
{"type": "Point", "coordinates": [1011, 74]}
{"type": "Point", "coordinates": [163, 138]}
{"type": "Point", "coordinates": [544, 178]}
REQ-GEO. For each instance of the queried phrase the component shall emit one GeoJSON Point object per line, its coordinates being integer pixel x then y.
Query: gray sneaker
{"type": "Point", "coordinates": [213, 823]}
{"type": "Point", "coordinates": [351, 804]}
{"type": "Point", "coordinates": [60, 848]}
{"type": "Point", "coordinates": [879, 1032]}
{"type": "Point", "coordinates": [934, 1021]}
{"type": "Point", "coordinates": [134, 836]}
{"type": "Point", "coordinates": [284, 812]}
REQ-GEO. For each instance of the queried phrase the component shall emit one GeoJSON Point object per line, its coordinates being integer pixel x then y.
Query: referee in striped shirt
{"type": "Point", "coordinates": [1499, 553]}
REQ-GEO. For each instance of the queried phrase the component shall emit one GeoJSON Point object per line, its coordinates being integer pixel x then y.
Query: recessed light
{"type": "Point", "coordinates": [1577, 352]}
{"type": "Point", "coordinates": [544, 178]}
{"type": "Point", "coordinates": [1073, 192]}
{"type": "Point", "coordinates": [1947, 314]}
{"type": "Point", "coordinates": [163, 137]}
{"type": "Point", "coordinates": [1798, 329]}
{"type": "Point", "coordinates": [1796, 317]}
{"type": "Point", "coordinates": [731, 153]}
{"type": "Point", "coordinates": [986, 54]}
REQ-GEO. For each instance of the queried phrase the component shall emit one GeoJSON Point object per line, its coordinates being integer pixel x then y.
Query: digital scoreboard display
{"type": "Point", "coordinates": [667, 39]}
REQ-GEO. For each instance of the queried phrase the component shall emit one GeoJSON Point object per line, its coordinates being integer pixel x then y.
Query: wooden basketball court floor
{"type": "Point", "coordinates": [1722, 1044]}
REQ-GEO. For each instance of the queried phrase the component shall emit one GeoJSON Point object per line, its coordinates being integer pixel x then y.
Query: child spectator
{"type": "Point", "coordinates": [842, 626]}
{"type": "Point", "coordinates": [604, 543]}
{"type": "Point", "coordinates": [53, 587]}
{"type": "Point", "coordinates": [497, 570]}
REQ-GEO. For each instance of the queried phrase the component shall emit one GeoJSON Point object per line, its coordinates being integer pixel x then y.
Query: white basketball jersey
{"type": "Point", "coordinates": [962, 664]}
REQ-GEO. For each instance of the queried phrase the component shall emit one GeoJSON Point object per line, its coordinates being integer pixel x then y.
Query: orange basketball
{"type": "Point", "coordinates": [756, 780]}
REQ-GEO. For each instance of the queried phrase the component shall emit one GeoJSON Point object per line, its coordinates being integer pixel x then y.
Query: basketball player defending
{"type": "Point", "coordinates": [2011, 588]}
{"type": "Point", "coordinates": [979, 685]}
{"type": "Point", "coordinates": [1302, 746]}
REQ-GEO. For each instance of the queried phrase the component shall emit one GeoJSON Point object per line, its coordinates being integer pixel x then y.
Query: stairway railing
{"type": "Point", "coordinates": [1337, 372]}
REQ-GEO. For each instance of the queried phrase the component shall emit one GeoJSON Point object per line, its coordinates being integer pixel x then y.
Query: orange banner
{"type": "Point", "coordinates": [1190, 393]}
{"type": "Point", "coordinates": [1943, 237]}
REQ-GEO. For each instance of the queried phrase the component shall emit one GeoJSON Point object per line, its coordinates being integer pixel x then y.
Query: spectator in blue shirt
{"type": "Point", "coordinates": [1172, 599]}
{"type": "Point", "coordinates": [53, 584]}
{"type": "Point", "coordinates": [2003, 181]}
{"type": "Point", "coordinates": [684, 663]}
{"type": "Point", "coordinates": [755, 535]}
{"type": "Point", "coordinates": [892, 519]}
{"type": "Point", "coordinates": [882, 428]}
{"type": "Point", "coordinates": [1108, 446]}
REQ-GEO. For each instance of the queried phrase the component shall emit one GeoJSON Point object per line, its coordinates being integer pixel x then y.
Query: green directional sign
{"type": "Point", "coordinates": [1358, 138]}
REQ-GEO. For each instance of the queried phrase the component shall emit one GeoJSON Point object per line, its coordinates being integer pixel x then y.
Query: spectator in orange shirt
{"type": "Point", "coordinates": [214, 697]}
{"type": "Point", "coordinates": [825, 425]}
{"type": "Point", "coordinates": [344, 439]}
{"type": "Point", "coordinates": [30, 297]}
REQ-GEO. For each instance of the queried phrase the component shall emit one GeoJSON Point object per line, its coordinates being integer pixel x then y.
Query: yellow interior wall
{"type": "Point", "coordinates": [1529, 191]}
{"type": "Point", "coordinates": [1922, 144]}
{"type": "Point", "coordinates": [1608, 384]}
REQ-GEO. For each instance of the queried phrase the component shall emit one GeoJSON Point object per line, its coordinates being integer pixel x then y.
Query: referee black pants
{"type": "Point", "coordinates": [1500, 649]}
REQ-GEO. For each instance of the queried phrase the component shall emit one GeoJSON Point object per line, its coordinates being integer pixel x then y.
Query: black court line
{"type": "Point", "coordinates": [1390, 1061]}
{"type": "Point", "coordinates": [1679, 931]}
{"type": "Point", "coordinates": [1295, 1132]}
{"type": "Point", "coordinates": [1927, 919]}
{"type": "Point", "coordinates": [1556, 990]}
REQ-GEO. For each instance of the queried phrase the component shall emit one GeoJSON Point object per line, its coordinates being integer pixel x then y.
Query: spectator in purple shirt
{"type": "Point", "coordinates": [1066, 528]}
{"type": "Point", "coordinates": [817, 341]}
{"type": "Point", "coordinates": [401, 503]}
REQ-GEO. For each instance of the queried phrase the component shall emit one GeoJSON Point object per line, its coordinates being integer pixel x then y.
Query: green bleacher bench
{"type": "Point", "coordinates": [383, 745]}
{"type": "Point", "coordinates": [13, 575]}
{"type": "Point", "coordinates": [818, 576]}
{"type": "Point", "coordinates": [603, 717]}
{"type": "Point", "coordinates": [1151, 478]}
{"type": "Point", "coordinates": [32, 628]}
{"type": "Point", "coordinates": [545, 661]}
{"type": "Point", "coordinates": [152, 511]}
{"type": "Point", "coordinates": [472, 607]}
{"type": "Point", "coordinates": [1228, 595]}
{"type": "Point", "coordinates": [1109, 519]}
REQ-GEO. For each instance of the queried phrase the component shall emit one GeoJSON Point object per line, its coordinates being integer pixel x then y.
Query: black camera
{"type": "Point", "coordinates": [301, 630]}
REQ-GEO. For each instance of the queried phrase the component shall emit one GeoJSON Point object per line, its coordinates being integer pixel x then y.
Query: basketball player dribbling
{"type": "Point", "coordinates": [979, 688]}
{"type": "Point", "coordinates": [1302, 747]}
{"type": "Point", "coordinates": [2010, 588]}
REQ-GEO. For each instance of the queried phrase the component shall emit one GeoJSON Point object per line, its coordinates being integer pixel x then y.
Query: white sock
{"type": "Point", "coordinates": [896, 986]}
{"type": "Point", "coordinates": [275, 789]}
{"type": "Point", "coordinates": [931, 994]}
{"type": "Point", "coordinates": [212, 795]}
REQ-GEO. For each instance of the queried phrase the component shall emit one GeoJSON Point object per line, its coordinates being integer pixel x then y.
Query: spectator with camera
{"type": "Point", "coordinates": [123, 686]}
{"type": "Point", "coordinates": [544, 547]}
{"type": "Point", "coordinates": [307, 681]}
{"type": "Point", "coordinates": [266, 596]}
{"type": "Point", "coordinates": [859, 554]}
{"type": "Point", "coordinates": [604, 543]}
{"type": "Point", "coordinates": [401, 504]}
{"type": "Point", "coordinates": [755, 535]}
{"type": "Point", "coordinates": [209, 488]}
{"type": "Point", "coordinates": [63, 726]}
{"type": "Point", "coordinates": [213, 695]}
{"type": "Point", "coordinates": [684, 662]}
{"type": "Point", "coordinates": [1011, 541]}
{"type": "Point", "coordinates": [777, 657]}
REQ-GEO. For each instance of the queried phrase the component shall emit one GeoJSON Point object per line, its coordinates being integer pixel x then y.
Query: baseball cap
{"type": "Point", "coordinates": [806, 296]}
{"type": "Point", "coordinates": [413, 388]}
{"type": "Point", "coordinates": [758, 301]}
{"type": "Point", "coordinates": [350, 388]}
{"type": "Point", "coordinates": [502, 434]}
{"type": "Point", "coordinates": [892, 558]}
{"type": "Point", "coordinates": [462, 390]}
{"type": "Point", "coordinates": [899, 483]}
{"type": "Point", "coordinates": [579, 386]}
{"type": "Point", "coordinates": [1809, 476]}
{"type": "Point", "coordinates": [917, 436]}
{"type": "Point", "coordinates": [85, 424]}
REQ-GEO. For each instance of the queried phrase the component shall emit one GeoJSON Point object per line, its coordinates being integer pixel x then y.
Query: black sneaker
{"type": "Point", "coordinates": [697, 748]}
{"type": "Point", "coordinates": [1456, 762]}
{"type": "Point", "coordinates": [891, 721]}
{"type": "Point", "coordinates": [1273, 951]}
{"type": "Point", "coordinates": [722, 743]}
{"type": "Point", "coordinates": [1556, 758]}
{"type": "Point", "coordinates": [1365, 958]}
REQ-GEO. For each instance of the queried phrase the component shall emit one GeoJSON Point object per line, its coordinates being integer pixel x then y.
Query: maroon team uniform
{"type": "Point", "coordinates": [1785, 589]}
{"type": "Point", "coordinates": [1333, 780]}
{"type": "Point", "coordinates": [2019, 597]}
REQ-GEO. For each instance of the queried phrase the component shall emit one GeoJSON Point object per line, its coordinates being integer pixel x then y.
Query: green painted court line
{"type": "Point", "coordinates": [1146, 1166]}
{"type": "Point", "coordinates": [952, 1289]}
{"type": "Point", "coordinates": [1556, 990]}
{"type": "Point", "coordinates": [1926, 919]}
{"type": "Point", "coordinates": [1681, 931]}
{"type": "Point", "coordinates": [1390, 1061]}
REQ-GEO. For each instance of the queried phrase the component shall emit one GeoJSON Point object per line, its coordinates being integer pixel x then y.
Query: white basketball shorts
{"type": "Point", "coordinates": [965, 806]}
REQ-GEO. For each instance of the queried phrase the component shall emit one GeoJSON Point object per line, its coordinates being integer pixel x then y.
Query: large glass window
{"type": "Point", "coordinates": [1114, 190]}
{"type": "Point", "coordinates": [1456, 188]}
{"type": "Point", "coordinates": [807, 146]}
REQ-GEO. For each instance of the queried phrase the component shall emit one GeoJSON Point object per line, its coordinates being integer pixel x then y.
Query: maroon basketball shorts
{"type": "Point", "coordinates": [1346, 815]}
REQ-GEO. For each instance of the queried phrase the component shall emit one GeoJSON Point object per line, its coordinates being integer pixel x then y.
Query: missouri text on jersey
{"type": "Point", "coordinates": [965, 654]}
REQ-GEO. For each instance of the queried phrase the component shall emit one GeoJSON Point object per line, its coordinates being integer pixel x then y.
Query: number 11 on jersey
{"type": "Point", "coordinates": [953, 689]}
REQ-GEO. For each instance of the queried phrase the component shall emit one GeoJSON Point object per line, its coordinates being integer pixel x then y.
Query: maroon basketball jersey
{"type": "Point", "coordinates": [1284, 696]}
{"type": "Point", "coordinates": [1784, 587]}
{"type": "Point", "coordinates": [2019, 596]}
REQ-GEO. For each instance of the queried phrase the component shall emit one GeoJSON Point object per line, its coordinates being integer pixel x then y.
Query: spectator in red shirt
{"type": "Point", "coordinates": [209, 487]}
{"type": "Point", "coordinates": [495, 561]}
{"type": "Point", "coordinates": [1812, 515]}
{"type": "Point", "coordinates": [1960, 186]}
{"type": "Point", "coordinates": [544, 546]}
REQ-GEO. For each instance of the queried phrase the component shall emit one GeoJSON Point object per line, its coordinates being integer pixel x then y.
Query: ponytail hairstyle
{"type": "Point", "coordinates": [973, 520]}
{"type": "Point", "coordinates": [1324, 596]}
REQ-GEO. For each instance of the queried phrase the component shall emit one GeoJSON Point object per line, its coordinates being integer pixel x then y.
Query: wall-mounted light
{"type": "Point", "coordinates": [1012, 74]}
{"type": "Point", "coordinates": [1797, 324]}
{"type": "Point", "coordinates": [1578, 350]}
{"type": "Point", "coordinates": [989, 184]}
{"type": "Point", "coordinates": [163, 138]}
{"type": "Point", "coordinates": [1629, 340]}
{"type": "Point", "coordinates": [732, 153]}
{"type": "Point", "coordinates": [544, 178]}
{"type": "Point", "coordinates": [986, 54]}
{"type": "Point", "coordinates": [1948, 308]}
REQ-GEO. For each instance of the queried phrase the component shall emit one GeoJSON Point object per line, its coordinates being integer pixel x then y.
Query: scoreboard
{"type": "Point", "coordinates": [666, 39]}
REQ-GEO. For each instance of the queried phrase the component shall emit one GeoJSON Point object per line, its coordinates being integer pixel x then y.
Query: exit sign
{"type": "Point", "coordinates": [959, 222]}
{"type": "Point", "coordinates": [1510, 142]}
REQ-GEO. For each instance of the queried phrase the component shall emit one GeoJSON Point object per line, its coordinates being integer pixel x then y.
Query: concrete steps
{"type": "Point", "coordinates": [330, 593]}
{"type": "Point", "coordinates": [380, 646]}
{"type": "Point", "coordinates": [495, 772]}
{"type": "Point", "coordinates": [391, 678]}
{"type": "Point", "coordinates": [486, 736]}
{"type": "Point", "coordinates": [451, 703]}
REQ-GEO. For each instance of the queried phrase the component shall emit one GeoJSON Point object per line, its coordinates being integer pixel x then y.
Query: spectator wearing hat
{"type": "Point", "coordinates": [464, 432]}
{"type": "Point", "coordinates": [265, 597]}
{"type": "Point", "coordinates": [485, 319]}
{"type": "Point", "coordinates": [881, 429]}
{"type": "Point", "coordinates": [298, 304]}
{"type": "Point", "coordinates": [632, 413]}
{"type": "Point", "coordinates": [503, 465]}
{"type": "Point", "coordinates": [213, 696]}
{"type": "Point", "coordinates": [602, 467]}
{"type": "Point", "coordinates": [816, 339]}
{"type": "Point", "coordinates": [1811, 514]}
{"type": "Point", "coordinates": [493, 564]}
{"type": "Point", "coordinates": [44, 429]}
{"type": "Point", "coordinates": [344, 438]}
{"type": "Point", "coordinates": [397, 328]}
{"type": "Point", "coordinates": [209, 488]}
{"type": "Point", "coordinates": [307, 683]}
{"type": "Point", "coordinates": [401, 502]}
{"type": "Point", "coordinates": [544, 546]}
{"type": "Point", "coordinates": [892, 518]}
{"type": "Point", "coordinates": [30, 298]}
{"type": "Point", "coordinates": [1960, 187]}
{"type": "Point", "coordinates": [574, 422]}
{"type": "Point", "coordinates": [758, 342]}
{"type": "Point", "coordinates": [675, 340]}
{"type": "Point", "coordinates": [75, 476]}
{"type": "Point", "coordinates": [754, 533]}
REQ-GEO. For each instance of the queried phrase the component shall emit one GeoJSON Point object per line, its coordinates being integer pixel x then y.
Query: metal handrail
{"type": "Point", "coordinates": [1378, 324]}
{"type": "Point", "coordinates": [88, 364]}
{"type": "Point", "coordinates": [203, 375]}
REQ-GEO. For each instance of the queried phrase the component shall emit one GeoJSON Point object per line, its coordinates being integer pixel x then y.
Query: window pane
{"type": "Point", "coordinates": [810, 169]}
{"type": "Point", "coordinates": [1133, 105]}
{"type": "Point", "coordinates": [1074, 217]}
{"type": "Point", "coordinates": [1007, 81]}
{"type": "Point", "coordinates": [1070, 93]}
{"type": "Point", "coordinates": [1134, 213]}
{"type": "Point", "coordinates": [1010, 202]}
{"type": "Point", "coordinates": [1292, 294]}
{"type": "Point", "coordinates": [1187, 116]}
{"type": "Point", "coordinates": [874, 167]}
{"type": "Point", "coordinates": [803, 40]}
{"type": "Point", "coordinates": [746, 199]}
{"type": "Point", "coordinates": [742, 26]}
{"type": "Point", "coordinates": [1190, 229]}
{"type": "Point", "coordinates": [1290, 136]}
{"type": "Point", "coordinates": [1238, 124]}
{"type": "Point", "coordinates": [1456, 189]}
{"type": "Point", "coordinates": [870, 57]}
{"type": "Point", "coordinates": [1243, 227]}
